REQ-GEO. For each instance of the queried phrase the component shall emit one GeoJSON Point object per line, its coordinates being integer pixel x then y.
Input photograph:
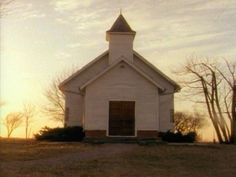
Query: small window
{"type": "Point", "coordinates": [172, 115]}
{"type": "Point", "coordinates": [67, 114]}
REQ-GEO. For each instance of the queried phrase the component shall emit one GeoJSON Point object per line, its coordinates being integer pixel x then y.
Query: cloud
{"type": "Point", "coordinates": [62, 55]}
{"type": "Point", "coordinates": [85, 44]}
{"type": "Point", "coordinates": [164, 26]}
{"type": "Point", "coordinates": [22, 10]}
{"type": "Point", "coordinates": [75, 45]}
{"type": "Point", "coordinates": [68, 5]}
{"type": "Point", "coordinates": [62, 21]}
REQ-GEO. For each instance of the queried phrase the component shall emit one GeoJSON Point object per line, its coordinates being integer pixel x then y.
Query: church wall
{"type": "Point", "coordinates": [122, 83]}
{"type": "Point", "coordinates": [166, 112]}
{"type": "Point", "coordinates": [74, 106]}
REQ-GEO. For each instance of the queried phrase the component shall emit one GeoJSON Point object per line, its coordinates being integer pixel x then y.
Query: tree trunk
{"type": "Point", "coordinates": [26, 126]}
{"type": "Point", "coordinates": [26, 132]}
{"type": "Point", "coordinates": [233, 110]}
{"type": "Point", "coordinates": [222, 120]}
{"type": "Point", "coordinates": [209, 108]}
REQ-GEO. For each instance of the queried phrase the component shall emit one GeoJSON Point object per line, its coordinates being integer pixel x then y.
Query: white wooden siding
{"type": "Point", "coordinates": [87, 74]}
{"type": "Point", "coordinates": [74, 103]}
{"type": "Point", "coordinates": [121, 83]}
{"type": "Point", "coordinates": [153, 74]}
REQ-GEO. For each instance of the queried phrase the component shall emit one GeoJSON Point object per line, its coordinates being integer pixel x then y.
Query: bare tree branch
{"type": "Point", "coordinates": [12, 121]}
{"type": "Point", "coordinates": [28, 115]}
{"type": "Point", "coordinates": [188, 122]}
{"type": "Point", "coordinates": [206, 79]}
{"type": "Point", "coordinates": [55, 106]}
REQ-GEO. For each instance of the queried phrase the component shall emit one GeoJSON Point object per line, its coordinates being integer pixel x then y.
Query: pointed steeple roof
{"type": "Point", "coordinates": [121, 25]}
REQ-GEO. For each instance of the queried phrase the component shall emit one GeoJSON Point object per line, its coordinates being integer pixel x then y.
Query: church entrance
{"type": "Point", "coordinates": [121, 118]}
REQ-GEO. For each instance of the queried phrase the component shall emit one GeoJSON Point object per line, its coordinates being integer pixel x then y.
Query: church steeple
{"type": "Point", "coordinates": [121, 25]}
{"type": "Point", "coordinates": [120, 37]}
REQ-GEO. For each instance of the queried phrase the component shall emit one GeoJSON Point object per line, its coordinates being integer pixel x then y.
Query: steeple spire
{"type": "Point", "coordinates": [121, 25]}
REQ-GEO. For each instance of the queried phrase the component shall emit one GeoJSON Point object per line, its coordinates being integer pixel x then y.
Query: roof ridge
{"type": "Point", "coordinates": [177, 86]}
{"type": "Point", "coordinates": [82, 69]}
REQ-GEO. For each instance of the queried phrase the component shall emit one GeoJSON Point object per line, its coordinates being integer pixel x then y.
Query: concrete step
{"type": "Point", "coordinates": [123, 140]}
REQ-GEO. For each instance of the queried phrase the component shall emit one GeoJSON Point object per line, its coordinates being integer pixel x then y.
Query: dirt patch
{"type": "Point", "coordinates": [35, 159]}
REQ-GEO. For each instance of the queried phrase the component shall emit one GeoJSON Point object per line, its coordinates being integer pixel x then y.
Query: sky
{"type": "Point", "coordinates": [41, 39]}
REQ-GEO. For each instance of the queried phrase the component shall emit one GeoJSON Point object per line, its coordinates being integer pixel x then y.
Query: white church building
{"type": "Point", "coordinates": [119, 93]}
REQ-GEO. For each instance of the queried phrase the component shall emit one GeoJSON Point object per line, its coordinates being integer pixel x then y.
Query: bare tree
{"type": "Point", "coordinates": [205, 79]}
{"type": "Point", "coordinates": [229, 76]}
{"type": "Point", "coordinates": [12, 121]}
{"type": "Point", "coordinates": [28, 115]}
{"type": "Point", "coordinates": [55, 107]}
{"type": "Point", "coordinates": [188, 122]}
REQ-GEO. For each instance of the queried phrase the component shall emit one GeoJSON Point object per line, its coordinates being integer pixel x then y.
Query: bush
{"type": "Point", "coordinates": [75, 133]}
{"type": "Point", "coordinates": [178, 137]}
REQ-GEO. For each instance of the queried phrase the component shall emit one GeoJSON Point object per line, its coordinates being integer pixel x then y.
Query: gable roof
{"type": "Point", "coordinates": [82, 69]}
{"type": "Point", "coordinates": [121, 25]}
{"type": "Point", "coordinates": [122, 59]}
{"type": "Point", "coordinates": [177, 87]}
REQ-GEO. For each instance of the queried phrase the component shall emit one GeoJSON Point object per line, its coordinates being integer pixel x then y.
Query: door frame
{"type": "Point", "coordinates": [135, 128]}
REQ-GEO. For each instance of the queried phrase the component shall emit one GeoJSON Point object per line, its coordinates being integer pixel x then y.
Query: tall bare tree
{"type": "Point", "coordinates": [206, 79]}
{"type": "Point", "coordinates": [12, 122]}
{"type": "Point", "coordinates": [229, 76]}
{"type": "Point", "coordinates": [28, 115]}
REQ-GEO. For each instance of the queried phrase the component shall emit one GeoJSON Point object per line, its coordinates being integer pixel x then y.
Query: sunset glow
{"type": "Point", "coordinates": [41, 39]}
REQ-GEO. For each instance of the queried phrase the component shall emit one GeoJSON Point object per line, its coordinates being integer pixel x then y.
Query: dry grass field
{"type": "Point", "coordinates": [30, 158]}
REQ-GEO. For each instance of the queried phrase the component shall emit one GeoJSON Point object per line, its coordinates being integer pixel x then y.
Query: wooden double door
{"type": "Point", "coordinates": [121, 118]}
